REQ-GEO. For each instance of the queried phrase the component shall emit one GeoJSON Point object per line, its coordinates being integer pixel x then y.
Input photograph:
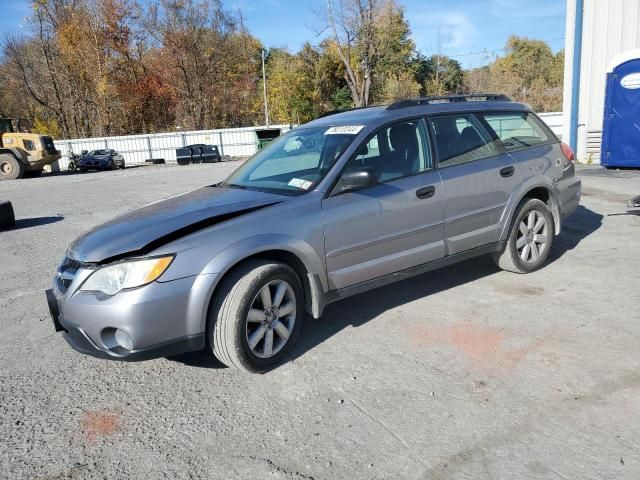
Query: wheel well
{"type": "Point", "coordinates": [290, 259]}
{"type": "Point", "coordinates": [540, 193]}
{"type": "Point", "coordinates": [543, 194]}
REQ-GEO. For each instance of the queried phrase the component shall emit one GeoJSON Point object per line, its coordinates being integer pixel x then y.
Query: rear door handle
{"type": "Point", "coordinates": [507, 171]}
{"type": "Point", "coordinates": [426, 192]}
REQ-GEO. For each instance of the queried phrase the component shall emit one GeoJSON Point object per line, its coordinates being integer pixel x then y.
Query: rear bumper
{"type": "Point", "coordinates": [43, 162]}
{"type": "Point", "coordinates": [570, 191]}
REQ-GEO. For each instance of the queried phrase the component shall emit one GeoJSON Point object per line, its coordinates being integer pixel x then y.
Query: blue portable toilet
{"type": "Point", "coordinates": [621, 126]}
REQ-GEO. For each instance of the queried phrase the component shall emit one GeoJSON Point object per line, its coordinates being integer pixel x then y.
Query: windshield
{"type": "Point", "coordinates": [98, 152]}
{"type": "Point", "coordinates": [295, 162]}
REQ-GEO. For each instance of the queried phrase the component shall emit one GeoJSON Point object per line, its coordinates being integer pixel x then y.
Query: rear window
{"type": "Point", "coordinates": [517, 130]}
{"type": "Point", "coordinates": [461, 138]}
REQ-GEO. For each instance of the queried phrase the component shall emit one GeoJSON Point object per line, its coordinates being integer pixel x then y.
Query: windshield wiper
{"type": "Point", "coordinates": [234, 185]}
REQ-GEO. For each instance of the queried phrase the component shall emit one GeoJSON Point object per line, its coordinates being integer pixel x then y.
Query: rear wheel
{"type": "Point", "coordinates": [257, 316]}
{"type": "Point", "coordinates": [10, 167]}
{"type": "Point", "coordinates": [111, 165]}
{"type": "Point", "coordinates": [530, 238]}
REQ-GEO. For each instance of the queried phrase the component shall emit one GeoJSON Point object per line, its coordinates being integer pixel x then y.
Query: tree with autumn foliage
{"type": "Point", "coordinates": [116, 67]}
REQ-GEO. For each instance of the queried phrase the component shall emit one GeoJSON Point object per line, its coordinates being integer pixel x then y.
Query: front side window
{"type": "Point", "coordinates": [29, 145]}
{"type": "Point", "coordinates": [517, 129]}
{"type": "Point", "coordinates": [394, 152]}
{"type": "Point", "coordinates": [295, 162]}
{"type": "Point", "coordinates": [461, 138]}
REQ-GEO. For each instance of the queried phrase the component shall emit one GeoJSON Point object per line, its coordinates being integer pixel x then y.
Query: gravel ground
{"type": "Point", "coordinates": [467, 372]}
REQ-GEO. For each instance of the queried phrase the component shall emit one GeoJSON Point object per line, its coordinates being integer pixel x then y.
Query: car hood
{"type": "Point", "coordinates": [145, 229]}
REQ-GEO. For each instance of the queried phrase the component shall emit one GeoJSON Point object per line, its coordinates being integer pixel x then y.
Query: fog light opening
{"type": "Point", "coordinates": [123, 340]}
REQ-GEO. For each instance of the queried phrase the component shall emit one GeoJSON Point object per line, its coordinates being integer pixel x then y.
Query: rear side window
{"type": "Point", "coordinates": [462, 138]}
{"type": "Point", "coordinates": [517, 130]}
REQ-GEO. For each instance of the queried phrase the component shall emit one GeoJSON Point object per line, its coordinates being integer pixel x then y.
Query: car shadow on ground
{"type": "Point", "coordinates": [576, 227]}
{"type": "Point", "coordinates": [358, 310]}
{"type": "Point", "coordinates": [36, 222]}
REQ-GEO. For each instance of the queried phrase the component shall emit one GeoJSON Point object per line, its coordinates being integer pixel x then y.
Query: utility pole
{"type": "Point", "coordinates": [264, 85]}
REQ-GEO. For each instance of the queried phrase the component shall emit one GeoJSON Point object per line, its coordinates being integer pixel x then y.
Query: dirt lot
{"type": "Point", "coordinates": [468, 372]}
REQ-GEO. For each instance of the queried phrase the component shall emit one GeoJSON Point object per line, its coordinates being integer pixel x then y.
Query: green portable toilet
{"type": "Point", "coordinates": [266, 135]}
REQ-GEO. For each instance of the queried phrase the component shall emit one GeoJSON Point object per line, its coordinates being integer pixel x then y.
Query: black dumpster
{"type": "Point", "coordinates": [198, 153]}
{"type": "Point", "coordinates": [266, 135]}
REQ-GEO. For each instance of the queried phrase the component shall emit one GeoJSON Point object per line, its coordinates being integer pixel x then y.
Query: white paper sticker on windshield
{"type": "Point", "coordinates": [300, 183]}
{"type": "Point", "coordinates": [345, 130]}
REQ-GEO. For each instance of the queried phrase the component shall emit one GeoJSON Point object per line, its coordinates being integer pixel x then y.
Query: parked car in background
{"type": "Point", "coordinates": [100, 160]}
{"type": "Point", "coordinates": [346, 203]}
{"type": "Point", "coordinates": [198, 153]}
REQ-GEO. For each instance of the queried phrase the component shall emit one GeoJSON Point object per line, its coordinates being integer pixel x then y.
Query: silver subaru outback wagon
{"type": "Point", "coordinates": [346, 203]}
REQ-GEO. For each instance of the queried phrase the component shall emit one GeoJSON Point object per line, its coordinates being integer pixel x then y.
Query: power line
{"type": "Point", "coordinates": [491, 52]}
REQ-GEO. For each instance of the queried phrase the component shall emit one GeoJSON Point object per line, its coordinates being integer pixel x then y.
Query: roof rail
{"type": "Point", "coordinates": [343, 110]}
{"type": "Point", "coordinates": [468, 97]}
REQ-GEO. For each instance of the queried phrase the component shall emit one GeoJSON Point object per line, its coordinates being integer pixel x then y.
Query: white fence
{"type": "Point", "coordinates": [553, 121]}
{"type": "Point", "coordinates": [235, 142]}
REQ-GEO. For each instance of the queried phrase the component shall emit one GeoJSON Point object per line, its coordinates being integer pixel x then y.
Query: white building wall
{"type": "Point", "coordinates": [610, 27]}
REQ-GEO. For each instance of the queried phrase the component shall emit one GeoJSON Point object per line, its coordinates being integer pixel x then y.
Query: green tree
{"type": "Point", "coordinates": [529, 72]}
{"type": "Point", "coordinates": [439, 75]}
{"type": "Point", "coordinates": [291, 85]}
{"type": "Point", "coordinates": [372, 39]}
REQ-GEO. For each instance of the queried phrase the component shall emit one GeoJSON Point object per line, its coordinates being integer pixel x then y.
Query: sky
{"type": "Point", "coordinates": [471, 31]}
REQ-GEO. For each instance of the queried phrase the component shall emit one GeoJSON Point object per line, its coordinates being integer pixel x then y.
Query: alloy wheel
{"type": "Point", "coordinates": [271, 318]}
{"type": "Point", "coordinates": [531, 239]}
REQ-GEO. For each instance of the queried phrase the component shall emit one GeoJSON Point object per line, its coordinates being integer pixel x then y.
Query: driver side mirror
{"type": "Point", "coordinates": [357, 180]}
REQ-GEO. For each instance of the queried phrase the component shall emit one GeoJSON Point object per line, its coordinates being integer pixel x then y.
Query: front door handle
{"type": "Point", "coordinates": [507, 171]}
{"type": "Point", "coordinates": [426, 192]}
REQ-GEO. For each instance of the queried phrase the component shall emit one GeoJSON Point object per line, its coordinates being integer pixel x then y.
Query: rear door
{"type": "Point", "coordinates": [528, 141]}
{"type": "Point", "coordinates": [394, 225]}
{"type": "Point", "coordinates": [478, 179]}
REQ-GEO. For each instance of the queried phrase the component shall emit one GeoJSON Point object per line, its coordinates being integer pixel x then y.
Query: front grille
{"type": "Point", "coordinates": [67, 271]}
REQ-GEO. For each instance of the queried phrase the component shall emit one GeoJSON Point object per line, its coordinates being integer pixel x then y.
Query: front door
{"type": "Point", "coordinates": [393, 225]}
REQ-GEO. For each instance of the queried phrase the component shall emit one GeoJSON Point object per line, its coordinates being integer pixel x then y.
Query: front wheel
{"type": "Point", "coordinates": [257, 316]}
{"type": "Point", "coordinates": [10, 167]}
{"type": "Point", "coordinates": [530, 238]}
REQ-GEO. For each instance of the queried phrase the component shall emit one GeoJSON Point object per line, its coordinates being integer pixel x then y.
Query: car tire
{"type": "Point", "coordinates": [530, 238]}
{"type": "Point", "coordinates": [10, 167]}
{"type": "Point", "coordinates": [244, 331]}
{"type": "Point", "coordinates": [7, 216]}
{"type": "Point", "coordinates": [111, 165]}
